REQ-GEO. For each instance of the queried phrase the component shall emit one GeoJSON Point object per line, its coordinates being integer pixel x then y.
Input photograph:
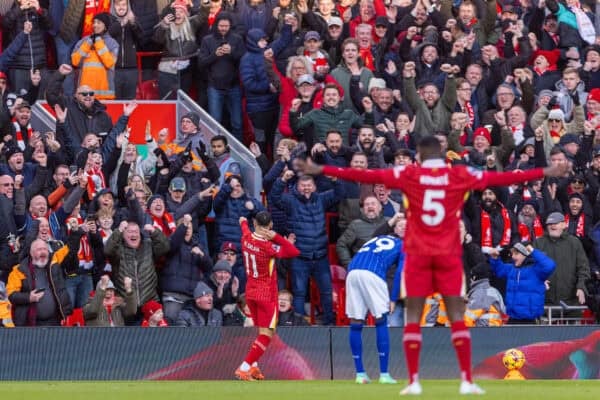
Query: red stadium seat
{"type": "Point", "coordinates": [338, 284]}
{"type": "Point", "coordinates": [75, 319]}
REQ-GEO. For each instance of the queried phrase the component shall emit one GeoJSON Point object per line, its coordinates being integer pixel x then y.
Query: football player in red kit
{"type": "Point", "coordinates": [259, 250]}
{"type": "Point", "coordinates": [436, 193]}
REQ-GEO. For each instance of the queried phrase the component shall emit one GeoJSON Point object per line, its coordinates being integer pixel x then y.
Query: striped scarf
{"type": "Point", "coordinates": [486, 228]}
{"type": "Point", "coordinates": [166, 223]}
{"type": "Point", "coordinates": [85, 256]}
{"type": "Point", "coordinates": [579, 230]}
{"type": "Point", "coordinates": [525, 231]}
{"type": "Point", "coordinates": [19, 134]}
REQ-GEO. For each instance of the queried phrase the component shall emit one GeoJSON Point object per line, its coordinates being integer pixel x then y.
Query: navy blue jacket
{"type": "Point", "coordinates": [228, 212]}
{"type": "Point", "coordinates": [184, 269]}
{"type": "Point", "coordinates": [254, 74]}
{"type": "Point", "coordinates": [306, 216]}
{"type": "Point", "coordinates": [525, 289]}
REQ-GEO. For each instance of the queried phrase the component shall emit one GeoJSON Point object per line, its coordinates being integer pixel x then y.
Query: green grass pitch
{"type": "Point", "coordinates": [290, 390]}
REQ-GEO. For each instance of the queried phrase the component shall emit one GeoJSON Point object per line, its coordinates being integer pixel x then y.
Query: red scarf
{"type": "Point", "coordinates": [96, 182]}
{"type": "Point", "coordinates": [19, 135]}
{"type": "Point", "coordinates": [470, 113]}
{"type": "Point", "coordinates": [486, 228]}
{"type": "Point", "coordinates": [165, 223]}
{"type": "Point", "coordinates": [367, 58]}
{"type": "Point", "coordinates": [93, 7]}
{"type": "Point", "coordinates": [146, 324]}
{"type": "Point", "coordinates": [579, 231]}
{"type": "Point", "coordinates": [555, 136]}
{"type": "Point", "coordinates": [524, 232]}
{"type": "Point", "coordinates": [85, 256]}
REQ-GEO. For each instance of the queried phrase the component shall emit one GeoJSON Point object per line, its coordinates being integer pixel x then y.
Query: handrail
{"type": "Point", "coordinates": [251, 172]}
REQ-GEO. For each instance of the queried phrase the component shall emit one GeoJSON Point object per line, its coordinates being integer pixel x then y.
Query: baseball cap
{"type": "Point", "coordinates": [378, 83]}
{"type": "Point", "coordinates": [521, 247]}
{"type": "Point", "coordinates": [228, 246]}
{"type": "Point", "coordinates": [337, 21]}
{"type": "Point", "coordinates": [555, 218]}
{"type": "Point", "coordinates": [381, 21]}
{"type": "Point", "coordinates": [177, 184]}
{"type": "Point", "coordinates": [306, 78]}
{"type": "Point", "coordinates": [597, 153]}
{"type": "Point", "coordinates": [509, 9]}
{"type": "Point", "coordinates": [312, 35]}
{"type": "Point", "coordinates": [24, 104]}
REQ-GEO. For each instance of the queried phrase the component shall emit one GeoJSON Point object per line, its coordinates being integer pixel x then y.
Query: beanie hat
{"type": "Point", "coordinates": [483, 132]}
{"type": "Point", "coordinates": [532, 203]}
{"type": "Point", "coordinates": [556, 113]}
{"type": "Point", "coordinates": [222, 265]}
{"type": "Point", "coordinates": [594, 95]}
{"type": "Point", "coordinates": [569, 138]}
{"type": "Point", "coordinates": [11, 150]}
{"type": "Point", "coordinates": [152, 198]}
{"type": "Point", "coordinates": [150, 308]}
{"type": "Point", "coordinates": [202, 289]}
{"type": "Point", "coordinates": [104, 18]}
{"type": "Point", "coordinates": [480, 271]}
{"type": "Point", "coordinates": [192, 117]}
{"type": "Point", "coordinates": [551, 56]}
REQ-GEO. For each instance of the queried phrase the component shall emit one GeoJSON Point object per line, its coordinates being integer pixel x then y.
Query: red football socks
{"type": "Point", "coordinates": [258, 348]}
{"type": "Point", "coordinates": [412, 348]}
{"type": "Point", "coordinates": [461, 339]}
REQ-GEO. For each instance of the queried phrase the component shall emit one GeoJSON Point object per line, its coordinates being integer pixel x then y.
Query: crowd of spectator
{"type": "Point", "coordinates": [92, 221]}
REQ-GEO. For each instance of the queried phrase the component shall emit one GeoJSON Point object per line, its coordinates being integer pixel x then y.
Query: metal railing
{"type": "Point", "coordinates": [251, 172]}
{"type": "Point", "coordinates": [565, 314]}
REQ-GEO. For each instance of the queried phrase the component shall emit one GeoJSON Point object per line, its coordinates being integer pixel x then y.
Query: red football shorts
{"type": "Point", "coordinates": [424, 275]}
{"type": "Point", "coordinates": [264, 313]}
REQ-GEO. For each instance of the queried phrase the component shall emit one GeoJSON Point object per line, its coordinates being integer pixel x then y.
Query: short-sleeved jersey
{"type": "Point", "coordinates": [436, 194]}
{"type": "Point", "coordinates": [378, 255]}
{"type": "Point", "coordinates": [258, 256]}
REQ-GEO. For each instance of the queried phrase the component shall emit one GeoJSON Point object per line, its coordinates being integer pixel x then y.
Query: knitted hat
{"type": "Point", "coordinates": [152, 198]}
{"type": "Point", "coordinates": [594, 95]}
{"type": "Point", "coordinates": [551, 56]}
{"type": "Point", "coordinates": [150, 308]}
{"type": "Point", "coordinates": [11, 150]}
{"type": "Point", "coordinates": [569, 138]}
{"type": "Point", "coordinates": [195, 118]}
{"type": "Point", "coordinates": [222, 265]}
{"type": "Point", "coordinates": [104, 18]}
{"type": "Point", "coordinates": [202, 289]}
{"type": "Point", "coordinates": [483, 132]}
{"type": "Point", "coordinates": [376, 83]}
{"type": "Point", "coordinates": [545, 92]}
{"type": "Point", "coordinates": [556, 113]}
{"type": "Point", "coordinates": [480, 271]}
{"type": "Point", "coordinates": [312, 35]}
{"type": "Point", "coordinates": [381, 21]}
{"type": "Point", "coordinates": [576, 195]}
{"type": "Point", "coordinates": [532, 203]}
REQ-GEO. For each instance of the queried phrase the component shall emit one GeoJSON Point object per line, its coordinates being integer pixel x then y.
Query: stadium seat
{"type": "Point", "coordinates": [338, 285]}
{"type": "Point", "coordinates": [75, 319]}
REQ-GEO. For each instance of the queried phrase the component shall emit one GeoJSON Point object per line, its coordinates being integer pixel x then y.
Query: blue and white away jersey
{"type": "Point", "coordinates": [378, 255]}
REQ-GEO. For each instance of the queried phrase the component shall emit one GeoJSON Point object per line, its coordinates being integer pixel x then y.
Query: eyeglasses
{"type": "Point", "coordinates": [8, 184]}
{"type": "Point", "coordinates": [578, 181]}
{"type": "Point", "coordinates": [86, 94]}
{"type": "Point", "coordinates": [554, 120]}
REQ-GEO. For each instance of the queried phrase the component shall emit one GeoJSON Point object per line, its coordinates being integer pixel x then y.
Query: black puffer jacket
{"type": "Point", "coordinates": [33, 54]}
{"type": "Point", "coordinates": [129, 38]}
{"type": "Point", "coordinates": [80, 121]}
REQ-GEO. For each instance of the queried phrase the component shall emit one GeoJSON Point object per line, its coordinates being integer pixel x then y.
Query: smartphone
{"type": "Point", "coordinates": [38, 290]}
{"type": "Point", "coordinates": [91, 217]}
{"type": "Point", "coordinates": [73, 169]}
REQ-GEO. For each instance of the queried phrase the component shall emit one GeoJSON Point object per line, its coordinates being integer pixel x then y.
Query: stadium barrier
{"type": "Point", "coordinates": [130, 353]}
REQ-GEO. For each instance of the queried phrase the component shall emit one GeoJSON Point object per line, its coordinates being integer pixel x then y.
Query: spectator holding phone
{"type": "Point", "coordinates": [36, 287]}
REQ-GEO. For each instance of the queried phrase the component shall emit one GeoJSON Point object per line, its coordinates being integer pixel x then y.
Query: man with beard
{"type": "Point", "coordinates": [86, 114]}
{"type": "Point", "coordinates": [36, 287]}
{"type": "Point", "coordinates": [567, 283]}
{"type": "Point", "coordinates": [432, 112]}
{"type": "Point", "coordinates": [579, 222]}
{"type": "Point", "coordinates": [530, 226]}
{"type": "Point", "coordinates": [372, 147]}
{"type": "Point", "coordinates": [493, 226]}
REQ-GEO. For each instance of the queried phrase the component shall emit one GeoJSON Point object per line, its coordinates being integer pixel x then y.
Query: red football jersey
{"type": "Point", "coordinates": [259, 255]}
{"type": "Point", "coordinates": [436, 193]}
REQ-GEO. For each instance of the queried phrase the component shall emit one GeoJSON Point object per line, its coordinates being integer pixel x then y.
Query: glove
{"type": "Point", "coordinates": [553, 101]}
{"type": "Point", "coordinates": [163, 157]}
{"type": "Point", "coordinates": [575, 98]}
{"type": "Point", "coordinates": [187, 153]}
{"type": "Point", "coordinates": [201, 149]}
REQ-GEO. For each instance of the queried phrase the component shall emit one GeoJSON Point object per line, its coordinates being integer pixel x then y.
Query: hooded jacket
{"type": "Point", "coordinates": [33, 54]}
{"type": "Point", "coordinates": [128, 37]}
{"type": "Point", "coordinates": [222, 71]}
{"type": "Point", "coordinates": [253, 71]}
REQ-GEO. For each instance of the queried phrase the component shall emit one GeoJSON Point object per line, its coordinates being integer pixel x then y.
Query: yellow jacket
{"type": "Point", "coordinates": [97, 64]}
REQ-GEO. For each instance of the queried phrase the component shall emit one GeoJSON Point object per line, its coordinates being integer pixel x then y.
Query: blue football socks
{"type": "Point", "coordinates": [356, 346]}
{"type": "Point", "coordinates": [383, 343]}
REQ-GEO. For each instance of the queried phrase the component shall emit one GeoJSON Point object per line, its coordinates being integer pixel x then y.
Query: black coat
{"type": "Point", "coordinates": [129, 38]}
